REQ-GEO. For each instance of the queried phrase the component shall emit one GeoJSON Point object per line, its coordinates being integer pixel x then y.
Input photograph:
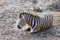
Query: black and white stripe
{"type": "Point", "coordinates": [32, 20]}
{"type": "Point", "coordinates": [45, 20]}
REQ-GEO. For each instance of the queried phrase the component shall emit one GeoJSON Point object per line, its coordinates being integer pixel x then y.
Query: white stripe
{"type": "Point", "coordinates": [33, 21]}
{"type": "Point", "coordinates": [35, 24]}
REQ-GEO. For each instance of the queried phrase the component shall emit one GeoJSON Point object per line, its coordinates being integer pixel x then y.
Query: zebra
{"type": "Point", "coordinates": [35, 22]}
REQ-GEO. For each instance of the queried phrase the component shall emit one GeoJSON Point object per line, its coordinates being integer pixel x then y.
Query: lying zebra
{"type": "Point", "coordinates": [36, 23]}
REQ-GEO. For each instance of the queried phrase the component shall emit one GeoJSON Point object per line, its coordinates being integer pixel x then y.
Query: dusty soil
{"type": "Point", "coordinates": [9, 13]}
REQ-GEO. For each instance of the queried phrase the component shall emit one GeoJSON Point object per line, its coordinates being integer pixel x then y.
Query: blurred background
{"type": "Point", "coordinates": [9, 15]}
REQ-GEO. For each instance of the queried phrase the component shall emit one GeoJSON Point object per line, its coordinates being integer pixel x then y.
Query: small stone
{"type": "Point", "coordinates": [1, 5]}
{"type": "Point", "coordinates": [37, 10]}
{"type": "Point", "coordinates": [1, 16]}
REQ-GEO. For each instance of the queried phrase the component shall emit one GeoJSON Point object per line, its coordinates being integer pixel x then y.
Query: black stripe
{"type": "Point", "coordinates": [30, 19]}
{"type": "Point", "coordinates": [38, 22]}
{"type": "Point", "coordinates": [34, 23]}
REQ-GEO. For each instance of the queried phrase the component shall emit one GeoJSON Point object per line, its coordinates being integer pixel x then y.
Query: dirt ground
{"type": "Point", "coordinates": [9, 13]}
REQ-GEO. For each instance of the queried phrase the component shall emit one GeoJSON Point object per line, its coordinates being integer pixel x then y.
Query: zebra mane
{"type": "Point", "coordinates": [25, 13]}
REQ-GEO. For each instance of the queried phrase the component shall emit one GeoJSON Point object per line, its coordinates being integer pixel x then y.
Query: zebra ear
{"type": "Point", "coordinates": [20, 16]}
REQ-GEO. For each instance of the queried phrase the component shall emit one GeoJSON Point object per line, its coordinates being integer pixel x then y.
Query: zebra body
{"type": "Point", "coordinates": [36, 23]}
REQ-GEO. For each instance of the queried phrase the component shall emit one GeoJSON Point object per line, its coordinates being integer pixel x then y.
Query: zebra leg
{"type": "Point", "coordinates": [33, 30]}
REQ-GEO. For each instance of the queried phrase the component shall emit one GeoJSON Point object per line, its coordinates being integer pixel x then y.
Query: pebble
{"type": "Point", "coordinates": [1, 16]}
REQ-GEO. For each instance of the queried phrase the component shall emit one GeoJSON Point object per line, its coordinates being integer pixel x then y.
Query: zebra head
{"type": "Point", "coordinates": [22, 21]}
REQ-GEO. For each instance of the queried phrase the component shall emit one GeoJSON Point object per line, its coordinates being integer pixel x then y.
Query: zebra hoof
{"type": "Point", "coordinates": [33, 31]}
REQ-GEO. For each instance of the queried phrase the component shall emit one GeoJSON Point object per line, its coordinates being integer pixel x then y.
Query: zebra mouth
{"type": "Point", "coordinates": [18, 27]}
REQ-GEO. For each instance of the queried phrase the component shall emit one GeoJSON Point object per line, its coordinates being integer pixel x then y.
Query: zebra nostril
{"type": "Point", "coordinates": [18, 26]}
